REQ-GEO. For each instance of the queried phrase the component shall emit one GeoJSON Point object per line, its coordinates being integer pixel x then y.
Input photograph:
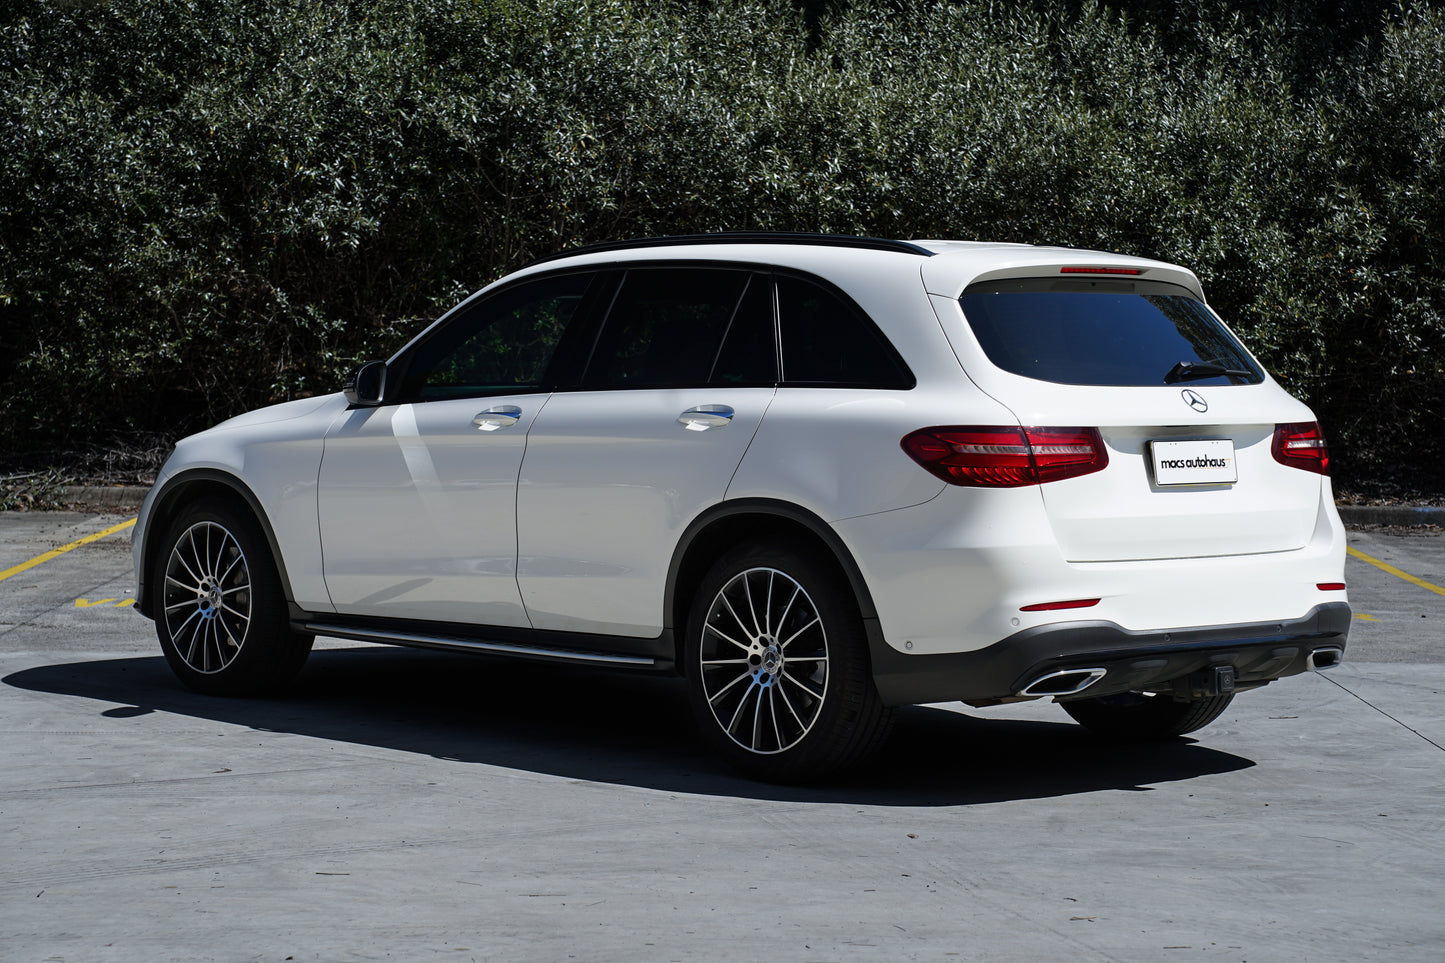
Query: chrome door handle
{"type": "Point", "coordinates": [502, 416]}
{"type": "Point", "coordinates": [704, 417]}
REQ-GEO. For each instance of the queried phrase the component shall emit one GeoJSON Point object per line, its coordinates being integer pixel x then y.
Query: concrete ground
{"type": "Point", "coordinates": [407, 805]}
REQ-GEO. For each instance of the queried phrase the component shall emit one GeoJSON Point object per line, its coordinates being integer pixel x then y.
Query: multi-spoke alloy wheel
{"type": "Point", "coordinates": [764, 660]}
{"type": "Point", "coordinates": [777, 664]}
{"type": "Point", "coordinates": [207, 597]}
{"type": "Point", "coordinates": [223, 621]}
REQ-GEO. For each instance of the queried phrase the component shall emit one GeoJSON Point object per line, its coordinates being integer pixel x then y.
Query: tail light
{"type": "Point", "coordinates": [1301, 445]}
{"type": "Point", "coordinates": [1003, 457]}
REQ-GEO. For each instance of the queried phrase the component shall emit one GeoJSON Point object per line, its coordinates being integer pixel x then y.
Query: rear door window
{"type": "Point", "coordinates": [1104, 332]}
{"type": "Point", "coordinates": [675, 327]}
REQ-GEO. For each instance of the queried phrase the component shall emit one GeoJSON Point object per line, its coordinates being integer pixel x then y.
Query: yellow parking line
{"type": "Point", "coordinates": [1384, 567]}
{"type": "Point", "coordinates": [54, 552]}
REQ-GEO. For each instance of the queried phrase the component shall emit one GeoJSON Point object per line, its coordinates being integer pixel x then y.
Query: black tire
{"type": "Point", "coordinates": [1141, 717]}
{"type": "Point", "coordinates": [221, 615]}
{"type": "Point", "coordinates": [777, 665]}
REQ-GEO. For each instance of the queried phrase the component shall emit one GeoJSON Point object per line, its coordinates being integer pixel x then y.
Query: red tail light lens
{"type": "Point", "coordinates": [1004, 457]}
{"type": "Point", "coordinates": [1301, 445]}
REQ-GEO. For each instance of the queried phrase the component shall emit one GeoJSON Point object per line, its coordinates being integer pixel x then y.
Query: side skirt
{"type": "Point", "coordinates": [618, 652]}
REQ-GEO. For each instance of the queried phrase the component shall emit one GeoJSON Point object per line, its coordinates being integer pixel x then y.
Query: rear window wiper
{"type": "Point", "coordinates": [1194, 370]}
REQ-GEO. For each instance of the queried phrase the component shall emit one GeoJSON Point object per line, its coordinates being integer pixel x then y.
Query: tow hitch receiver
{"type": "Point", "coordinates": [1217, 680]}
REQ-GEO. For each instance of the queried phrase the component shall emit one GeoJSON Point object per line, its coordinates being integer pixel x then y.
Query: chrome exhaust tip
{"type": "Point", "coordinates": [1326, 658]}
{"type": "Point", "coordinates": [1062, 683]}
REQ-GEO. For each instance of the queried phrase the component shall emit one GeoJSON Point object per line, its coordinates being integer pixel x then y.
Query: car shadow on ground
{"type": "Point", "coordinates": [625, 729]}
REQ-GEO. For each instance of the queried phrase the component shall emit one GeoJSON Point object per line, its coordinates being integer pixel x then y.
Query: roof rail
{"type": "Point", "coordinates": [746, 237]}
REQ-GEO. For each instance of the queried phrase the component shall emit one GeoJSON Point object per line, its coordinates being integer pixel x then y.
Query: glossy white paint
{"type": "Point", "coordinates": [963, 263]}
{"type": "Point", "coordinates": [276, 453]}
{"type": "Point", "coordinates": [610, 481]}
{"type": "Point", "coordinates": [836, 452]}
{"type": "Point", "coordinates": [567, 518]}
{"type": "Point", "coordinates": [417, 509]}
{"type": "Point", "coordinates": [952, 574]}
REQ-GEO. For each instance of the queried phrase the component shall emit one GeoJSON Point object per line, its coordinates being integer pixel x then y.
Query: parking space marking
{"type": "Point", "coordinates": [56, 552]}
{"type": "Point", "coordinates": [99, 603]}
{"type": "Point", "coordinates": [1387, 567]}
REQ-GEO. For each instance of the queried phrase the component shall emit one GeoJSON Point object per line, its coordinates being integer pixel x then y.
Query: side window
{"type": "Point", "coordinates": [749, 353]}
{"type": "Point", "coordinates": [676, 327]}
{"type": "Point", "coordinates": [501, 345]}
{"type": "Point", "coordinates": [827, 341]}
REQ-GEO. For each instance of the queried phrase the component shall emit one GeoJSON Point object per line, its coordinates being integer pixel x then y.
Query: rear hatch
{"type": "Point", "coordinates": [1190, 423]}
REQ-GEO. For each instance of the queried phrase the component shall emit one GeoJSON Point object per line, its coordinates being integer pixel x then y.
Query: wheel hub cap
{"type": "Point", "coordinates": [208, 598]}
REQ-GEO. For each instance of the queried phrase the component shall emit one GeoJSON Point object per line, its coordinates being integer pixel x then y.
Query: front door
{"type": "Point", "coordinates": [418, 496]}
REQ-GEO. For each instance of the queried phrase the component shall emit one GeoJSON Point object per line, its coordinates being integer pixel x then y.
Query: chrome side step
{"type": "Point", "coordinates": [454, 644]}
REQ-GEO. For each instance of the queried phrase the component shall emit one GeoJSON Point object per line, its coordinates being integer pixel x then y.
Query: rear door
{"type": "Point", "coordinates": [1187, 416]}
{"type": "Point", "coordinates": [682, 371]}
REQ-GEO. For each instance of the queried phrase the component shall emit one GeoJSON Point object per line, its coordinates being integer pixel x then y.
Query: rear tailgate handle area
{"type": "Point", "coordinates": [703, 417]}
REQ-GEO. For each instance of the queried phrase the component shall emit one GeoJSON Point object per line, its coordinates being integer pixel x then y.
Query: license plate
{"type": "Point", "coordinates": [1200, 462]}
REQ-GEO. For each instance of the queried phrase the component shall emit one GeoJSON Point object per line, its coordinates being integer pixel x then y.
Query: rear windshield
{"type": "Point", "coordinates": [1104, 332]}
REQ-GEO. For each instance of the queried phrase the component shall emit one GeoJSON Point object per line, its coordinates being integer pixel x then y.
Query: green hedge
{"type": "Point", "coordinates": [208, 205]}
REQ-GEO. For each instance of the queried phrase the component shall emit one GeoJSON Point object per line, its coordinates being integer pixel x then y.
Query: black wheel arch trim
{"type": "Point", "coordinates": [164, 507]}
{"type": "Point", "coordinates": [763, 508]}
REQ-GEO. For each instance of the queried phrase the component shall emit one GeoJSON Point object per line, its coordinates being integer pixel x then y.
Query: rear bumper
{"type": "Point", "coordinates": [1259, 652]}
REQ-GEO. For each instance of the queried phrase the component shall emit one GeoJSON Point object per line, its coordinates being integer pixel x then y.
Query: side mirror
{"type": "Point", "coordinates": [366, 387]}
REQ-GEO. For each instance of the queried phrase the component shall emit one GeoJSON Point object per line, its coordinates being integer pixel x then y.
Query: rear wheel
{"type": "Point", "coordinates": [777, 665]}
{"type": "Point", "coordinates": [222, 618]}
{"type": "Point", "coordinates": [1142, 717]}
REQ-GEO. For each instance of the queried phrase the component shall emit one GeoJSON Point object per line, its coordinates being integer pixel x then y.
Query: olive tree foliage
{"type": "Point", "coordinates": [207, 205]}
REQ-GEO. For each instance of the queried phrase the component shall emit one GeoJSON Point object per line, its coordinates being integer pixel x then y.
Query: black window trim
{"type": "Point", "coordinates": [620, 274]}
{"type": "Point", "coordinates": [574, 352]}
{"type": "Point", "coordinates": [398, 367]}
{"type": "Point", "coordinates": [754, 277]}
{"type": "Point", "coordinates": [599, 315]}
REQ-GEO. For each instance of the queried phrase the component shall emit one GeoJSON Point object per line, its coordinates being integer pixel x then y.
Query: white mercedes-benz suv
{"type": "Point", "coordinates": [817, 476]}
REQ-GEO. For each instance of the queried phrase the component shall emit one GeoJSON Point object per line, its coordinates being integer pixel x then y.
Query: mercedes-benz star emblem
{"type": "Point", "coordinates": [1194, 400]}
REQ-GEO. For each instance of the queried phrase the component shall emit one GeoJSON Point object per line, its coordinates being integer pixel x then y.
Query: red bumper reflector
{"type": "Point", "coordinates": [1051, 606]}
{"type": "Point", "coordinates": [1330, 586]}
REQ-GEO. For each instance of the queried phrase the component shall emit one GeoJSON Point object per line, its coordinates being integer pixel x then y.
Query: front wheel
{"type": "Point", "coordinates": [222, 619]}
{"type": "Point", "coordinates": [1142, 717]}
{"type": "Point", "coordinates": [777, 665]}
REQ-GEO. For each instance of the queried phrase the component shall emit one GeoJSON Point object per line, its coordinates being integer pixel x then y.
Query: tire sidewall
{"type": "Point", "coordinates": [270, 653]}
{"type": "Point", "coordinates": [827, 745]}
